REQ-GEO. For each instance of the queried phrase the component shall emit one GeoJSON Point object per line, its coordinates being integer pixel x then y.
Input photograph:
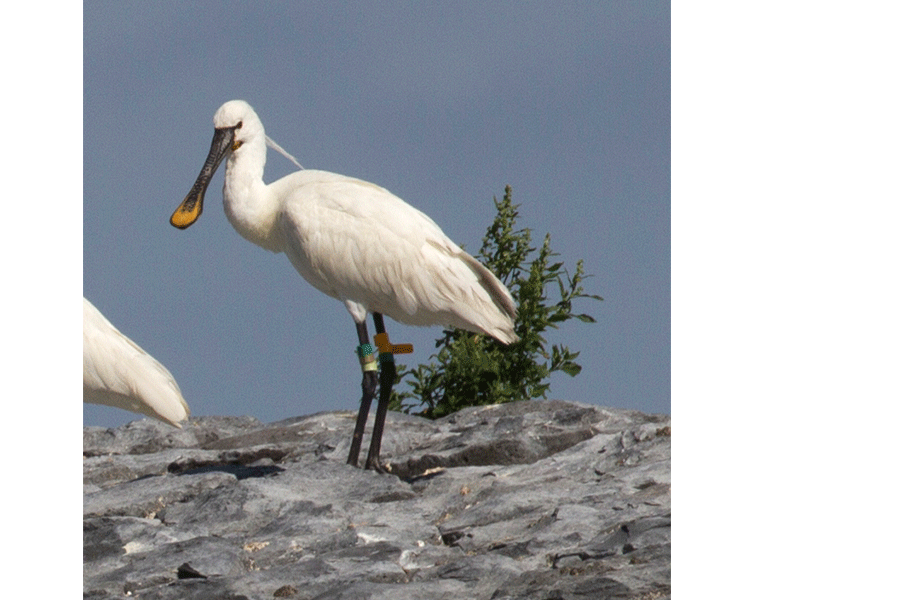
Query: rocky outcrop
{"type": "Point", "coordinates": [538, 499]}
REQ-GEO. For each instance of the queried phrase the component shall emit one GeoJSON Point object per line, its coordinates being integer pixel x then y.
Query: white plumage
{"type": "Point", "coordinates": [354, 241]}
{"type": "Point", "coordinates": [350, 239]}
{"type": "Point", "coordinates": [119, 373]}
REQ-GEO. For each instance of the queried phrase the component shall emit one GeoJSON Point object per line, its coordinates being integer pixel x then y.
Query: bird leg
{"type": "Point", "coordinates": [369, 380]}
{"type": "Point", "coordinates": [386, 383]}
{"type": "Point", "coordinates": [366, 353]}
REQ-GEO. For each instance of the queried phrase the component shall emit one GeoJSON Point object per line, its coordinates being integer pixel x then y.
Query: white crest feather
{"type": "Point", "coordinates": [271, 144]}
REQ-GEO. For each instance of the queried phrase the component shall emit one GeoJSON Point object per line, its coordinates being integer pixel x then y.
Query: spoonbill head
{"type": "Point", "coordinates": [354, 241]}
{"type": "Point", "coordinates": [119, 373]}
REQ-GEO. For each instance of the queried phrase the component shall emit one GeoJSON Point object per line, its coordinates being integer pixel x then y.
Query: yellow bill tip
{"type": "Point", "coordinates": [185, 215]}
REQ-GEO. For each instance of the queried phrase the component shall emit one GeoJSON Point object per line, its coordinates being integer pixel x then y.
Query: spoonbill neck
{"type": "Point", "coordinates": [250, 205]}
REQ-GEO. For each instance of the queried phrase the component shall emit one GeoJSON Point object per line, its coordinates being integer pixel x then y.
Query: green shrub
{"type": "Point", "coordinates": [469, 369]}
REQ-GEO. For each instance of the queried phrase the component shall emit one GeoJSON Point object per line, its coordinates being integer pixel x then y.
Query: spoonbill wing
{"type": "Point", "coordinates": [119, 373]}
{"type": "Point", "coordinates": [354, 240]}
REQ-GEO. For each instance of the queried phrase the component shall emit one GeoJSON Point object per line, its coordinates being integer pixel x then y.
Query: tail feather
{"type": "Point", "coordinates": [503, 331]}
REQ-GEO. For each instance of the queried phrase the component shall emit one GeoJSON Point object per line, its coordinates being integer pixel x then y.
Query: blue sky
{"type": "Point", "coordinates": [444, 104]}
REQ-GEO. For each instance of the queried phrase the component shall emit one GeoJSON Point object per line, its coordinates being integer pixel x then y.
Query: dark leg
{"type": "Point", "coordinates": [388, 376]}
{"type": "Point", "coordinates": [368, 387]}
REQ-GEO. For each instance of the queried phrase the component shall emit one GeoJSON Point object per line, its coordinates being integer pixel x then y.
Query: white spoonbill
{"type": "Point", "coordinates": [356, 242]}
{"type": "Point", "coordinates": [118, 372]}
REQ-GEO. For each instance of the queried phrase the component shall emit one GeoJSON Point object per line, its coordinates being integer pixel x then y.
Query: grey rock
{"type": "Point", "coordinates": [538, 499]}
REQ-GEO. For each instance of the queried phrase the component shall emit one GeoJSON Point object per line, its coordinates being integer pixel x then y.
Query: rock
{"type": "Point", "coordinates": [538, 499]}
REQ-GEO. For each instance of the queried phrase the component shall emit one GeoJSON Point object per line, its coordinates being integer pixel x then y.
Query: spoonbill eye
{"type": "Point", "coordinates": [239, 125]}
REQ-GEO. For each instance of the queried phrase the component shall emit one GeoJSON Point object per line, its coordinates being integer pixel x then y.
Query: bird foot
{"type": "Point", "coordinates": [375, 465]}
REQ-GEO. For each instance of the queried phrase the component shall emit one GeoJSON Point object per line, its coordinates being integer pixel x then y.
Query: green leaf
{"type": "Point", "coordinates": [571, 369]}
{"type": "Point", "coordinates": [468, 369]}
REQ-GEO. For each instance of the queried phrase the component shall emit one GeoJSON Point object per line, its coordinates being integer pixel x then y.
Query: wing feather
{"type": "Point", "coordinates": [119, 373]}
{"type": "Point", "coordinates": [356, 241]}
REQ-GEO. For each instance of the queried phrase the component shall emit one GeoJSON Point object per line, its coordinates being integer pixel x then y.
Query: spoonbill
{"type": "Point", "coordinates": [119, 373]}
{"type": "Point", "coordinates": [356, 242]}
